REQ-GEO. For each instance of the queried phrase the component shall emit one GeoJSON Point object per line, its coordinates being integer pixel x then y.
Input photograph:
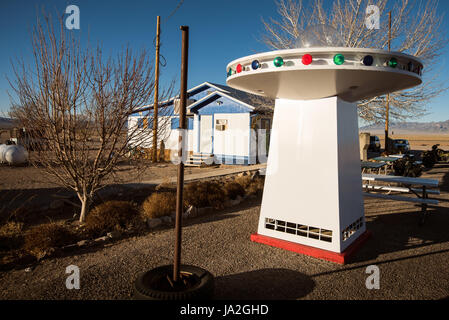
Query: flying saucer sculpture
{"type": "Point", "coordinates": [312, 201]}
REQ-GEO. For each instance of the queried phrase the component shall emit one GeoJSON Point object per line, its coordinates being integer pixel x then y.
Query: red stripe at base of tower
{"type": "Point", "coordinates": [340, 258]}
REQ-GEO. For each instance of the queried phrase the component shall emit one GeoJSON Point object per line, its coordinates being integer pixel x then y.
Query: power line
{"type": "Point", "coordinates": [164, 63]}
{"type": "Point", "coordinates": [174, 11]}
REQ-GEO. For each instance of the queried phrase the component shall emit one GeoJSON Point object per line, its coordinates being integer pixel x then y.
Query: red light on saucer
{"type": "Point", "coordinates": [306, 59]}
{"type": "Point", "coordinates": [239, 68]}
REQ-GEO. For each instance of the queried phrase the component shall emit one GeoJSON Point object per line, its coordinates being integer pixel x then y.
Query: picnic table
{"type": "Point", "coordinates": [386, 159]}
{"type": "Point", "coordinates": [389, 160]}
{"type": "Point", "coordinates": [402, 155]}
{"type": "Point", "coordinates": [417, 186]}
{"type": "Point", "coordinates": [370, 166]}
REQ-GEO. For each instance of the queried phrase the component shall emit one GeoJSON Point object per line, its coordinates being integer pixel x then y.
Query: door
{"type": "Point", "coordinates": [206, 133]}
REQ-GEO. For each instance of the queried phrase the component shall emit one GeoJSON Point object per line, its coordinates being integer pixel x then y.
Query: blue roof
{"type": "Point", "coordinates": [259, 104]}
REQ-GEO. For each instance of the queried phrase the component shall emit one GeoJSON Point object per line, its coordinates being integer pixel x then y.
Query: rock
{"type": "Point", "coordinates": [153, 223]}
{"type": "Point", "coordinates": [104, 238]}
{"type": "Point", "coordinates": [235, 202]}
{"type": "Point", "coordinates": [231, 203]}
{"type": "Point", "coordinates": [166, 219]}
{"type": "Point", "coordinates": [82, 243]}
{"type": "Point", "coordinates": [191, 212]}
{"type": "Point", "coordinates": [56, 204]}
{"type": "Point", "coordinates": [113, 234]}
{"type": "Point", "coordinates": [29, 269]}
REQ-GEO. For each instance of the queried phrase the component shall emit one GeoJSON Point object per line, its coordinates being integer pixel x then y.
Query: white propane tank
{"type": "Point", "coordinates": [2, 152]}
{"type": "Point", "coordinates": [15, 155]}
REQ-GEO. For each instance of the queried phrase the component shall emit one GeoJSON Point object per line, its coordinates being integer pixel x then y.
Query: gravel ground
{"type": "Point", "coordinates": [413, 260]}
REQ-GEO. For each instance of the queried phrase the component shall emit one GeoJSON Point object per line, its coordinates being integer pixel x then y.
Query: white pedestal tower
{"type": "Point", "coordinates": [312, 201]}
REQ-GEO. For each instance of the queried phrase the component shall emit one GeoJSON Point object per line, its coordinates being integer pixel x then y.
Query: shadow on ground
{"type": "Point", "coordinates": [264, 284]}
{"type": "Point", "coordinates": [401, 231]}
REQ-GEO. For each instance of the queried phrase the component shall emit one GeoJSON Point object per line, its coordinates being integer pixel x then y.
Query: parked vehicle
{"type": "Point", "coordinates": [401, 146]}
{"type": "Point", "coordinates": [374, 144]}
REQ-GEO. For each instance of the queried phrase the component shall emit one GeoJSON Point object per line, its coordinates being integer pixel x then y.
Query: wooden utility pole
{"type": "Point", "coordinates": [387, 111]}
{"type": "Point", "coordinates": [156, 90]}
{"type": "Point", "coordinates": [182, 127]}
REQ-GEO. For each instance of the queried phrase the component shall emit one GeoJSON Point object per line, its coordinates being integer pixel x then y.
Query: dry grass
{"type": "Point", "coordinates": [11, 235]}
{"type": "Point", "coordinates": [244, 181]}
{"type": "Point", "coordinates": [233, 190]}
{"type": "Point", "coordinates": [159, 204]}
{"type": "Point", "coordinates": [256, 187]}
{"type": "Point", "coordinates": [204, 194]}
{"type": "Point", "coordinates": [251, 186]}
{"type": "Point", "coordinates": [110, 216]}
{"type": "Point", "coordinates": [41, 239]}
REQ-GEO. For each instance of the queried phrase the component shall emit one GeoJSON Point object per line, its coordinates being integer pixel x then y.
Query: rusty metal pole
{"type": "Point", "coordinates": [156, 90]}
{"type": "Point", "coordinates": [182, 127]}
{"type": "Point", "coordinates": [387, 111]}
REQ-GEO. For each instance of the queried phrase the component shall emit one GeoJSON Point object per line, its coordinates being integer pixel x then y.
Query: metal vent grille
{"type": "Point", "coordinates": [352, 228]}
{"type": "Point", "coordinates": [299, 229]}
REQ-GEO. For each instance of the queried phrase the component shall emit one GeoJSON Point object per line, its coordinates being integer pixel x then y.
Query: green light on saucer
{"type": "Point", "coordinates": [278, 62]}
{"type": "Point", "coordinates": [339, 59]}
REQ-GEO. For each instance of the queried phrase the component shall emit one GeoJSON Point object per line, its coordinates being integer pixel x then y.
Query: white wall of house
{"type": "Point", "coordinates": [234, 141]}
{"type": "Point", "coordinates": [168, 135]}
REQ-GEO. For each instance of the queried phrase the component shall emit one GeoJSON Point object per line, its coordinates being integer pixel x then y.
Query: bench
{"type": "Point", "coordinates": [417, 186]}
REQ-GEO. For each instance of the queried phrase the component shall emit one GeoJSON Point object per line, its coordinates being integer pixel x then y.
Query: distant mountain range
{"type": "Point", "coordinates": [421, 127]}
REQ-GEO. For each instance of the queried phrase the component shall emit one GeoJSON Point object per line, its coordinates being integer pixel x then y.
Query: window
{"type": "Point", "coordinates": [175, 123]}
{"type": "Point", "coordinates": [145, 123]}
{"type": "Point", "coordinates": [221, 124]}
{"type": "Point", "coordinates": [140, 123]}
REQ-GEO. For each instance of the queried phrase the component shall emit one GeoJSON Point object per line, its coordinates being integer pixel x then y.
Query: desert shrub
{"type": "Point", "coordinates": [407, 167]}
{"type": "Point", "coordinates": [429, 159]}
{"type": "Point", "coordinates": [11, 235]}
{"type": "Point", "coordinates": [110, 216]}
{"type": "Point", "coordinates": [204, 194]}
{"type": "Point", "coordinates": [40, 239]}
{"type": "Point", "coordinates": [233, 190]}
{"type": "Point", "coordinates": [159, 204]}
{"type": "Point", "coordinates": [244, 181]}
{"type": "Point", "coordinates": [255, 187]}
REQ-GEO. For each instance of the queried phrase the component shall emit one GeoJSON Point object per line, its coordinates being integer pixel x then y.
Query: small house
{"type": "Point", "coordinates": [225, 125]}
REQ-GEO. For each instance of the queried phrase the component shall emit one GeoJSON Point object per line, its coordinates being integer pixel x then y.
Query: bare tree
{"type": "Point", "coordinates": [416, 30]}
{"type": "Point", "coordinates": [74, 105]}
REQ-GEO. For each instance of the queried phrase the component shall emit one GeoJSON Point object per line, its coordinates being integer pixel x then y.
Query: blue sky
{"type": "Point", "coordinates": [220, 31]}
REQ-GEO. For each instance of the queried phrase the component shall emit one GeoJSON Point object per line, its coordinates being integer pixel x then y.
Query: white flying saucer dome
{"type": "Point", "coordinates": [319, 36]}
